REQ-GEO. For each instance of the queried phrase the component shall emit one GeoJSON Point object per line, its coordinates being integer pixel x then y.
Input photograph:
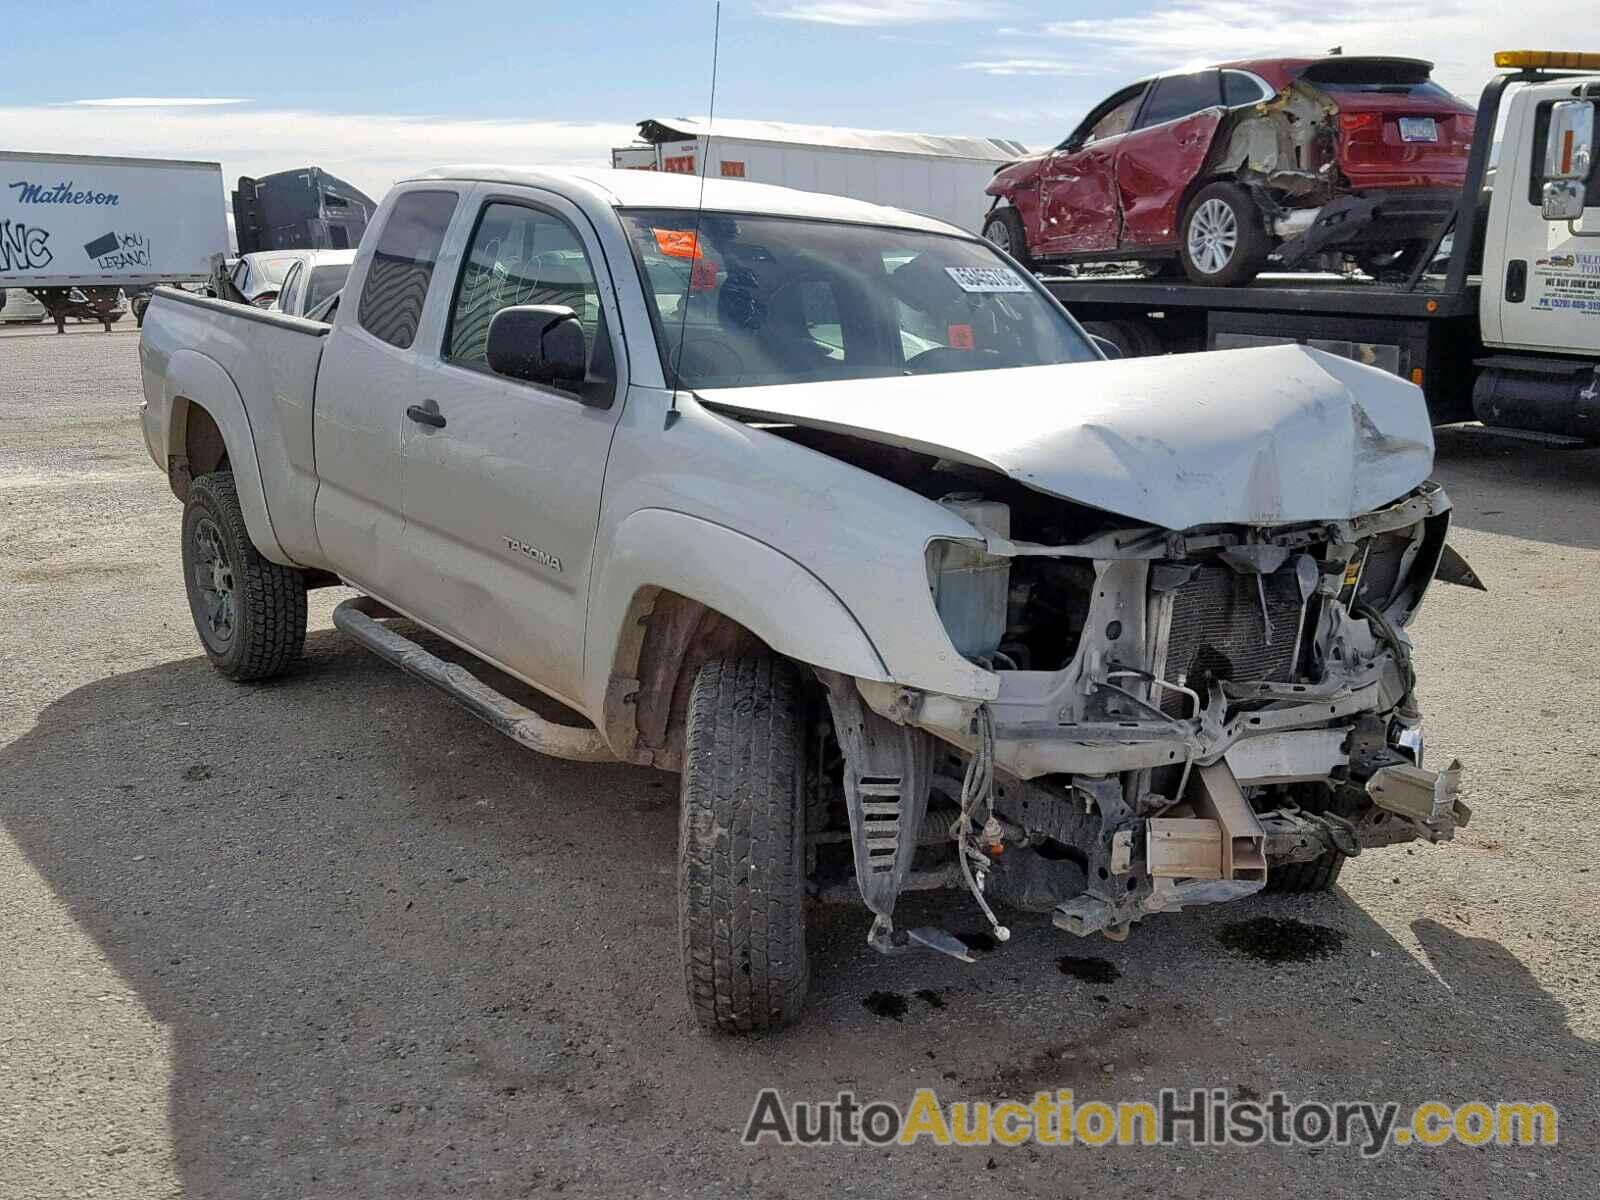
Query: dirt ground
{"type": "Point", "coordinates": [331, 937]}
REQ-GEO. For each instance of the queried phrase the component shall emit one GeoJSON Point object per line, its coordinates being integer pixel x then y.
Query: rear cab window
{"type": "Point", "coordinates": [402, 266]}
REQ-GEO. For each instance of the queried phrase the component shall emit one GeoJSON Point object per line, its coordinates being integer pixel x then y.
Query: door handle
{"type": "Point", "coordinates": [426, 413]}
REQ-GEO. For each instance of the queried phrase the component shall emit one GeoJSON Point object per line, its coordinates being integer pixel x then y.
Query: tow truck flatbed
{"type": "Point", "coordinates": [1333, 295]}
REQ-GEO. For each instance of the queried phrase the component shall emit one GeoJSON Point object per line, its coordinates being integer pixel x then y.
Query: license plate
{"type": "Point", "coordinates": [1418, 129]}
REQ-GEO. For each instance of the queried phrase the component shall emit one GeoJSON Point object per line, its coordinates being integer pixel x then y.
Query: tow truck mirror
{"type": "Point", "coordinates": [542, 343]}
{"type": "Point", "coordinates": [1568, 158]}
{"type": "Point", "coordinates": [1563, 200]}
{"type": "Point", "coordinates": [1569, 150]}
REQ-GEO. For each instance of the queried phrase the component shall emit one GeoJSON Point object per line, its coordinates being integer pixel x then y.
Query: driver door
{"type": "Point", "coordinates": [1078, 209]}
{"type": "Point", "coordinates": [501, 477]}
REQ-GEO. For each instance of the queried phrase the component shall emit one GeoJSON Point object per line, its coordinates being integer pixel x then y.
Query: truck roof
{"type": "Point", "coordinates": [657, 189]}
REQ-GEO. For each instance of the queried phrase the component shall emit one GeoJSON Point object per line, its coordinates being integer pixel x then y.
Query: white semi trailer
{"type": "Point", "coordinates": [937, 176]}
{"type": "Point", "coordinates": [77, 230]}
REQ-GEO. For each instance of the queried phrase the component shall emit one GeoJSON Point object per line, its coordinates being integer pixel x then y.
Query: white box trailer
{"type": "Point", "coordinates": [938, 176]}
{"type": "Point", "coordinates": [70, 220]}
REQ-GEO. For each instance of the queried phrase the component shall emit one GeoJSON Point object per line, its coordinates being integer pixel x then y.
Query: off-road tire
{"type": "Point", "coordinates": [1251, 247]}
{"type": "Point", "coordinates": [269, 600]}
{"type": "Point", "coordinates": [741, 844]}
{"type": "Point", "coordinates": [1317, 874]}
{"type": "Point", "coordinates": [1003, 228]}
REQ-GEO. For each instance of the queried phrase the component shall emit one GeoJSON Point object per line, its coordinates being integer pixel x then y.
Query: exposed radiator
{"type": "Point", "coordinates": [1218, 632]}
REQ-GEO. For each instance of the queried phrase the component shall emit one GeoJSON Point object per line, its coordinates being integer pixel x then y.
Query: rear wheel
{"type": "Point", "coordinates": [741, 846]}
{"type": "Point", "coordinates": [250, 613]}
{"type": "Point", "coordinates": [1004, 229]}
{"type": "Point", "coordinates": [1224, 239]}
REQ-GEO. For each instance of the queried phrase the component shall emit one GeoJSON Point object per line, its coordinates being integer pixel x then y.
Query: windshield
{"type": "Point", "coordinates": [325, 281]}
{"type": "Point", "coordinates": [771, 300]}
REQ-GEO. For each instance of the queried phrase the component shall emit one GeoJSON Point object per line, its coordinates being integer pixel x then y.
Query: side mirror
{"type": "Point", "coordinates": [1563, 200]}
{"type": "Point", "coordinates": [1568, 158]}
{"type": "Point", "coordinates": [542, 343]}
{"type": "Point", "coordinates": [1106, 346]}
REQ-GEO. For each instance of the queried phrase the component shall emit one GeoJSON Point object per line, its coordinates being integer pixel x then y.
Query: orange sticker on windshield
{"type": "Point", "coordinates": [960, 337]}
{"type": "Point", "coordinates": [678, 243]}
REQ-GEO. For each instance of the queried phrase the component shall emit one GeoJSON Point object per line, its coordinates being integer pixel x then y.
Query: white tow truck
{"type": "Point", "coordinates": [829, 509]}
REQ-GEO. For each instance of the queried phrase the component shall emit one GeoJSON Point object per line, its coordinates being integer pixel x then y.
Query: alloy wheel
{"type": "Point", "coordinates": [213, 578]}
{"type": "Point", "coordinates": [1213, 235]}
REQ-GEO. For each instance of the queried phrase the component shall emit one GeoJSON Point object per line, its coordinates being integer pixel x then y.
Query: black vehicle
{"type": "Point", "coordinates": [306, 209]}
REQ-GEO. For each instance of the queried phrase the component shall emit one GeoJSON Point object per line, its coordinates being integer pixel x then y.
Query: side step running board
{"type": "Point", "coordinates": [518, 722]}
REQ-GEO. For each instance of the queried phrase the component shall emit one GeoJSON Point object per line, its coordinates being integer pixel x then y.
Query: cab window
{"type": "Point", "coordinates": [521, 255]}
{"type": "Point", "coordinates": [402, 266]}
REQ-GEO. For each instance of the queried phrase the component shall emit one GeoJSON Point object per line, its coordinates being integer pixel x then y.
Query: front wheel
{"type": "Point", "coordinates": [250, 613]}
{"type": "Point", "coordinates": [741, 846]}
{"type": "Point", "coordinates": [1224, 238]}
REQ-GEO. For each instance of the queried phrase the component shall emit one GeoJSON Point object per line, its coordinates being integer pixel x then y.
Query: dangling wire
{"type": "Point", "coordinates": [977, 793]}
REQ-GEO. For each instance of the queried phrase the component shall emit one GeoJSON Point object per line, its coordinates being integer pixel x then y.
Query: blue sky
{"type": "Point", "coordinates": [373, 92]}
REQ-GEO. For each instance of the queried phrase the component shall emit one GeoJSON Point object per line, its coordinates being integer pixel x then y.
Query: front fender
{"type": "Point", "coordinates": [767, 592]}
{"type": "Point", "coordinates": [194, 379]}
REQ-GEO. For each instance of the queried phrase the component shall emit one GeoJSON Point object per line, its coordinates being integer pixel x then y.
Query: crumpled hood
{"type": "Point", "coordinates": [1263, 436]}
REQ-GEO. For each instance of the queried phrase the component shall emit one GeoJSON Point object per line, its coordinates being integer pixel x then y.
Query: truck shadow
{"type": "Point", "coordinates": [389, 946]}
{"type": "Point", "coordinates": [1518, 490]}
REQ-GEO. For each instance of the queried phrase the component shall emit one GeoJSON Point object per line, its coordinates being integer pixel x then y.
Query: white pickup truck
{"type": "Point", "coordinates": [836, 512]}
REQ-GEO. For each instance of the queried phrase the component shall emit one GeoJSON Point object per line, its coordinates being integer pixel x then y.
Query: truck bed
{"type": "Point", "coordinates": [255, 373]}
{"type": "Point", "coordinates": [1333, 295]}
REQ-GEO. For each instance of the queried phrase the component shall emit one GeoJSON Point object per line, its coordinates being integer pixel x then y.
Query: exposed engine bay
{"type": "Point", "coordinates": [1182, 718]}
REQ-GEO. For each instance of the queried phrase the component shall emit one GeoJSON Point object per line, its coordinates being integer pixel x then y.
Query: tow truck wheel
{"type": "Point", "coordinates": [1004, 229]}
{"type": "Point", "coordinates": [741, 844]}
{"type": "Point", "coordinates": [1224, 239]}
{"type": "Point", "coordinates": [250, 613]}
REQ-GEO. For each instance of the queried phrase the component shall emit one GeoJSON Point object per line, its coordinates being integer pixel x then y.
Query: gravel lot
{"type": "Point", "coordinates": [331, 937]}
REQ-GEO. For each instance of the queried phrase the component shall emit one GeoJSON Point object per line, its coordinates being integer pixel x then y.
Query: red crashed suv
{"type": "Point", "coordinates": [1221, 169]}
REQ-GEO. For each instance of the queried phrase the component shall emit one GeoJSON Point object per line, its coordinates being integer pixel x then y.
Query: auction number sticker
{"type": "Point", "coordinates": [986, 279]}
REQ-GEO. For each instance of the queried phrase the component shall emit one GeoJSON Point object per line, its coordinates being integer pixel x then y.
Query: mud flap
{"type": "Point", "coordinates": [888, 773]}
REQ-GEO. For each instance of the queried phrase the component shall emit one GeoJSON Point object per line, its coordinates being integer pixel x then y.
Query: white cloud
{"type": "Point", "coordinates": [1032, 65]}
{"type": "Point", "coordinates": [1460, 36]}
{"type": "Point", "coordinates": [158, 102]}
{"type": "Point", "coordinates": [884, 12]}
{"type": "Point", "coordinates": [371, 151]}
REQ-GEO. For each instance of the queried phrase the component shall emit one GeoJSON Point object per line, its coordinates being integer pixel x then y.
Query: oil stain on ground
{"type": "Point", "coordinates": [1281, 940]}
{"type": "Point", "coordinates": [1088, 969]}
{"type": "Point", "coordinates": [886, 1004]}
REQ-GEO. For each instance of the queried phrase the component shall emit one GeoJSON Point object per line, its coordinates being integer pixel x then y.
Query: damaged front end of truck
{"type": "Point", "coordinates": [1196, 617]}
